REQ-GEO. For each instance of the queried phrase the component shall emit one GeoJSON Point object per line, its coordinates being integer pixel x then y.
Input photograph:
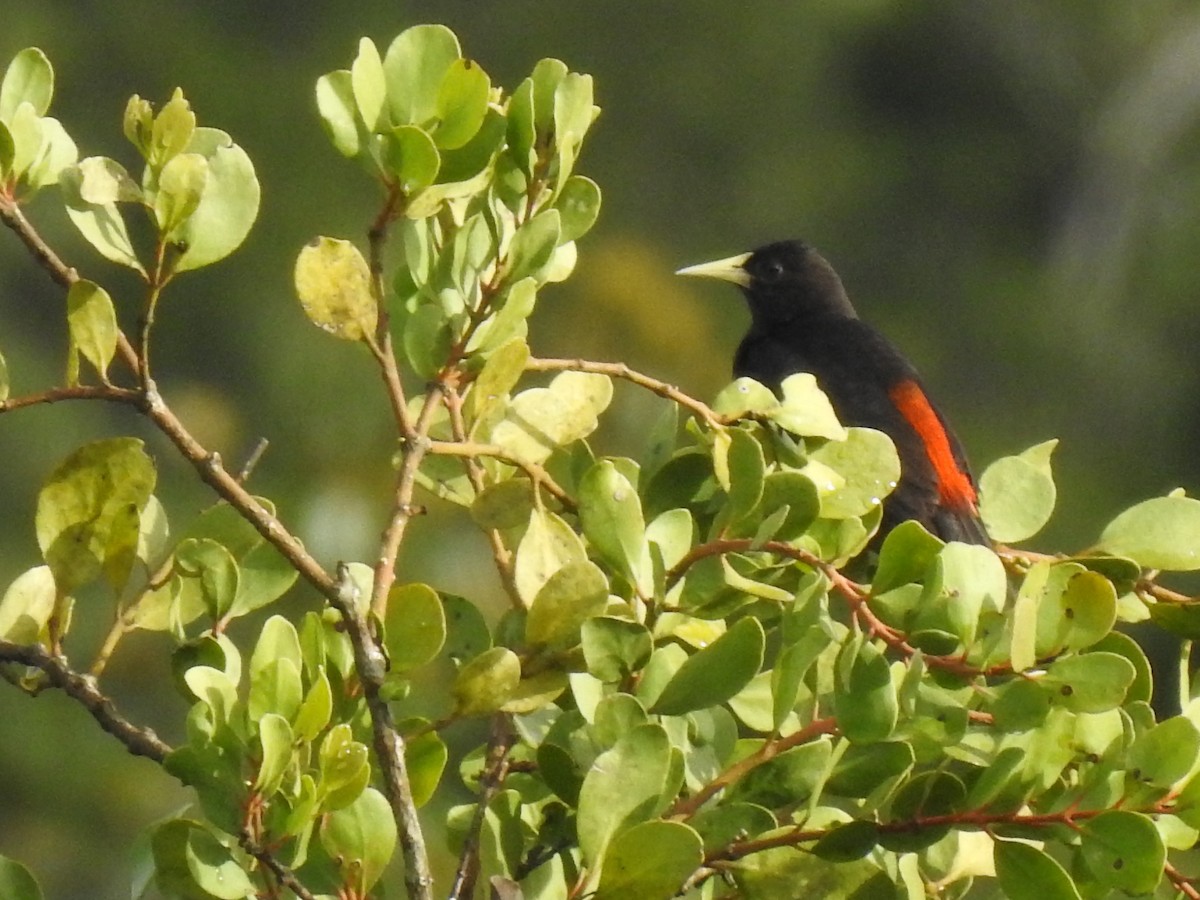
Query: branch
{"type": "Point", "coordinates": [536, 474]}
{"type": "Point", "coordinates": [79, 392]}
{"type": "Point", "coordinates": [855, 594]}
{"type": "Point", "coordinates": [371, 665]}
{"type": "Point", "coordinates": [62, 274]}
{"type": "Point", "coordinates": [138, 741]}
{"type": "Point", "coordinates": [700, 410]}
{"type": "Point", "coordinates": [495, 770]}
{"type": "Point", "coordinates": [416, 446]}
{"type": "Point", "coordinates": [285, 875]}
{"type": "Point", "coordinates": [500, 553]}
{"type": "Point", "coordinates": [686, 808]}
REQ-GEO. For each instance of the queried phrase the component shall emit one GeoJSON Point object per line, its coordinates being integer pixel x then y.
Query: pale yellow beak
{"type": "Point", "coordinates": [730, 269]}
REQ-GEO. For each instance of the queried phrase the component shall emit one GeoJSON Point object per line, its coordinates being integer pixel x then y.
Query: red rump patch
{"type": "Point", "coordinates": [954, 486]}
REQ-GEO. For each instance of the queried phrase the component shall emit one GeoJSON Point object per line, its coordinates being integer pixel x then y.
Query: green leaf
{"type": "Point", "coordinates": [409, 157]}
{"type": "Point", "coordinates": [55, 153]}
{"type": "Point", "coordinates": [17, 882]}
{"type": "Point", "coordinates": [27, 606]}
{"type": "Point", "coordinates": [787, 778]}
{"type": "Point", "coordinates": [868, 462]}
{"type": "Point", "coordinates": [1123, 851]}
{"type": "Point", "coordinates": [578, 205]}
{"type": "Point", "coordinates": [964, 580]}
{"type": "Point", "coordinates": [514, 305]}
{"type": "Point", "coordinates": [905, 557]}
{"type": "Point", "coordinates": [8, 152]}
{"type": "Point", "coordinates": [806, 411]}
{"type": "Point", "coordinates": [1161, 533]}
{"type": "Point", "coordinates": [214, 868]}
{"type": "Point", "coordinates": [862, 768]}
{"type": "Point", "coordinates": [487, 682]}
{"type": "Point", "coordinates": [611, 517]}
{"type": "Point", "coordinates": [1026, 873]}
{"type": "Point", "coordinates": [316, 710]}
{"type": "Point", "coordinates": [171, 132]}
{"type": "Point", "coordinates": [228, 206]}
{"type": "Point", "coordinates": [4, 382]}
{"type": "Point", "coordinates": [1166, 753]}
{"type": "Point", "coordinates": [1089, 683]}
{"type": "Point", "coordinates": [344, 767]}
{"type": "Point", "coordinates": [104, 180]}
{"type": "Point", "coordinates": [747, 471]}
{"type": "Point", "coordinates": [742, 396]}
{"type": "Point", "coordinates": [416, 626]}
{"type": "Point", "coordinates": [29, 78]}
{"type": "Point", "coordinates": [540, 420]}
{"type": "Point", "coordinates": [361, 838]}
{"type": "Point", "coordinates": [426, 757]}
{"type": "Point", "coordinates": [88, 509]}
{"type": "Point", "coordinates": [548, 545]}
{"type": "Point", "coordinates": [499, 375]}
{"type": "Point", "coordinates": [334, 285]}
{"type": "Point", "coordinates": [180, 186]}
{"type": "Point", "coordinates": [505, 504]}
{"type": "Point", "coordinates": [848, 842]}
{"type": "Point", "coordinates": [338, 108]}
{"type": "Point", "coordinates": [462, 102]}
{"type": "Point", "coordinates": [92, 321]}
{"type": "Point", "coordinates": [716, 673]}
{"type": "Point", "coordinates": [100, 223]}
{"type": "Point", "coordinates": [1077, 616]}
{"type": "Point", "coordinates": [368, 85]}
{"type": "Point", "coordinates": [615, 648]}
{"type": "Point", "coordinates": [216, 570]}
{"type": "Point", "coordinates": [572, 595]}
{"type": "Point", "coordinates": [865, 698]}
{"type": "Point", "coordinates": [1017, 494]}
{"type": "Point", "coordinates": [415, 66]}
{"type": "Point", "coordinates": [533, 245]}
{"type": "Point", "coordinates": [650, 861]}
{"type": "Point", "coordinates": [622, 788]}
{"type": "Point", "coordinates": [927, 795]}
{"type": "Point", "coordinates": [427, 338]}
{"type": "Point", "coordinates": [275, 739]}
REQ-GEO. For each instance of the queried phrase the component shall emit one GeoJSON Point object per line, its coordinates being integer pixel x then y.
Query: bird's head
{"type": "Point", "coordinates": [783, 281]}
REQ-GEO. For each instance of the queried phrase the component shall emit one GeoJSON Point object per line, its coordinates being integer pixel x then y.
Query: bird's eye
{"type": "Point", "coordinates": [772, 270]}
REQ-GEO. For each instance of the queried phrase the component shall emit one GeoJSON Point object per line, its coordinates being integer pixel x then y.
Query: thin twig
{"type": "Point", "coordinates": [80, 687]}
{"type": "Point", "coordinates": [495, 769]}
{"type": "Point", "coordinates": [371, 666]}
{"type": "Point", "coordinates": [687, 807]}
{"type": "Point", "coordinates": [500, 553]}
{"type": "Point", "coordinates": [403, 510]}
{"type": "Point", "coordinates": [471, 450]}
{"type": "Point", "coordinates": [699, 409]}
{"type": "Point", "coordinates": [79, 392]}
{"type": "Point", "coordinates": [60, 272]}
{"type": "Point", "coordinates": [285, 875]}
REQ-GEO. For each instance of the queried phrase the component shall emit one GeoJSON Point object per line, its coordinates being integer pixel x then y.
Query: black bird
{"type": "Point", "coordinates": [802, 321]}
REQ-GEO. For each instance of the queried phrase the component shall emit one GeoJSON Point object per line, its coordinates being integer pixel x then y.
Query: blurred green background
{"type": "Point", "coordinates": [1011, 190]}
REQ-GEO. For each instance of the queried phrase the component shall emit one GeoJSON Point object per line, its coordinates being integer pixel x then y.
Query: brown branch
{"type": "Point", "coordinates": [285, 875]}
{"type": "Point", "coordinates": [538, 475]}
{"type": "Point", "coordinates": [699, 409]}
{"type": "Point", "coordinates": [855, 595]}
{"type": "Point", "coordinates": [79, 392]}
{"type": "Point", "coordinates": [62, 274]}
{"type": "Point", "coordinates": [138, 741]}
{"type": "Point", "coordinates": [403, 509]}
{"type": "Point", "coordinates": [500, 554]}
{"type": "Point", "coordinates": [688, 807]}
{"type": "Point", "coordinates": [495, 770]}
{"type": "Point", "coordinates": [1186, 886]}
